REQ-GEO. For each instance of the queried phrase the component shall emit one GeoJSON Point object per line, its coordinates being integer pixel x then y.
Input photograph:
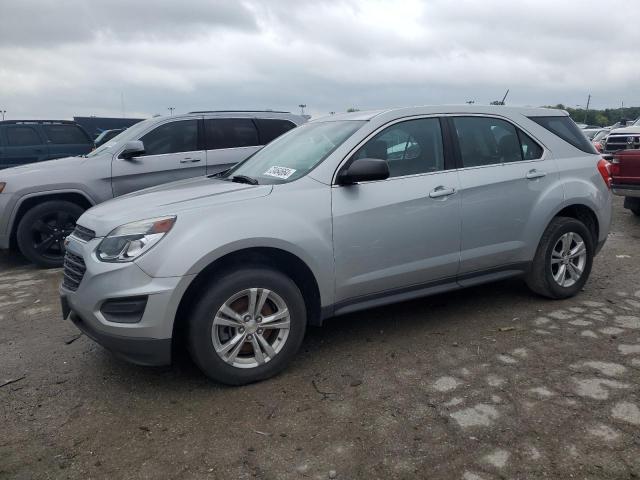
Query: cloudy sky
{"type": "Point", "coordinates": [60, 58]}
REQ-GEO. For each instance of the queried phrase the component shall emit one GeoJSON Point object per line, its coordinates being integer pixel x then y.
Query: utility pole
{"type": "Point", "coordinates": [302, 107]}
{"type": "Point", "coordinates": [171, 109]}
{"type": "Point", "coordinates": [586, 111]}
{"type": "Point", "coordinates": [3, 112]}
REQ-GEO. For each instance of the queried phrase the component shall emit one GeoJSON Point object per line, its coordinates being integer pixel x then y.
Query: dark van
{"type": "Point", "coordinates": [29, 141]}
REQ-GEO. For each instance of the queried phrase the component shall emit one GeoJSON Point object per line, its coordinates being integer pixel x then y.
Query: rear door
{"type": "Point", "coordinates": [173, 151]}
{"type": "Point", "coordinates": [24, 144]}
{"type": "Point", "coordinates": [503, 176]}
{"type": "Point", "coordinates": [66, 140]}
{"type": "Point", "coordinates": [229, 141]}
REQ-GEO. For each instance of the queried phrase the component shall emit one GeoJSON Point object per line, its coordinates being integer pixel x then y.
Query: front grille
{"type": "Point", "coordinates": [74, 269]}
{"type": "Point", "coordinates": [83, 234]}
{"type": "Point", "coordinates": [621, 142]}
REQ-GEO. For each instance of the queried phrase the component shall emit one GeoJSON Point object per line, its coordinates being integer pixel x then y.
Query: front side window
{"type": "Point", "coordinates": [174, 137]}
{"type": "Point", "coordinates": [22, 136]}
{"type": "Point", "coordinates": [230, 133]}
{"type": "Point", "coordinates": [296, 153]}
{"type": "Point", "coordinates": [486, 141]}
{"type": "Point", "coordinates": [65, 134]}
{"type": "Point", "coordinates": [410, 147]}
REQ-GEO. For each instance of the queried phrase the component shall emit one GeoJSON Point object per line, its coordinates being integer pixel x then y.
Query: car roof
{"type": "Point", "coordinates": [273, 114]}
{"type": "Point", "coordinates": [37, 122]}
{"type": "Point", "coordinates": [445, 109]}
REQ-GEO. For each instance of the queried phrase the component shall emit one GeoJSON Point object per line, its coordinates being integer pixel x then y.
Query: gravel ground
{"type": "Point", "coordinates": [489, 382]}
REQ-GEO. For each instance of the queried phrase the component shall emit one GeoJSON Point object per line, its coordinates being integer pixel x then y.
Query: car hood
{"type": "Point", "coordinates": [45, 168]}
{"type": "Point", "coordinates": [169, 199]}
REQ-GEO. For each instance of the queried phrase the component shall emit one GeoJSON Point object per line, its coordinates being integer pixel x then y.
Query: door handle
{"type": "Point", "coordinates": [533, 174]}
{"type": "Point", "coordinates": [441, 192]}
{"type": "Point", "coordinates": [189, 160]}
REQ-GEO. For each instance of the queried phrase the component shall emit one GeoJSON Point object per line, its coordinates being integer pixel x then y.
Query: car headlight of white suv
{"type": "Point", "coordinates": [128, 242]}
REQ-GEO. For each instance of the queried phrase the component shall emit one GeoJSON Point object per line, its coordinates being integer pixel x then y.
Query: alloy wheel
{"type": "Point", "coordinates": [251, 328]}
{"type": "Point", "coordinates": [568, 259]}
{"type": "Point", "coordinates": [49, 231]}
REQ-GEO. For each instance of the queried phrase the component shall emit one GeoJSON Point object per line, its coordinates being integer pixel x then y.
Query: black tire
{"type": "Point", "coordinates": [215, 294]}
{"type": "Point", "coordinates": [540, 276]}
{"type": "Point", "coordinates": [41, 231]}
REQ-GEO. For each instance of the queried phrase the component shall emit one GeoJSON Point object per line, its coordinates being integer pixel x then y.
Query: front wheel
{"type": "Point", "coordinates": [42, 230]}
{"type": "Point", "coordinates": [563, 260]}
{"type": "Point", "coordinates": [247, 325]}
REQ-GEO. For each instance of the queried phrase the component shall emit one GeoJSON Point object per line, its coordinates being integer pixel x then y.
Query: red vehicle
{"type": "Point", "coordinates": [625, 174]}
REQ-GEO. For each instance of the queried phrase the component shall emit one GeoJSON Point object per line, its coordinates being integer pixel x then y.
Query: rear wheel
{"type": "Point", "coordinates": [42, 230]}
{"type": "Point", "coordinates": [563, 260]}
{"type": "Point", "coordinates": [247, 326]}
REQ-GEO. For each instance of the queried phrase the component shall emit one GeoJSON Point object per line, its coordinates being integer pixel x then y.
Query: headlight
{"type": "Point", "coordinates": [2, 185]}
{"type": "Point", "coordinates": [128, 242]}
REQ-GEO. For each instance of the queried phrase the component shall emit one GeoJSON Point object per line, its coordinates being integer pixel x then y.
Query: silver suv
{"type": "Point", "coordinates": [40, 203]}
{"type": "Point", "coordinates": [341, 214]}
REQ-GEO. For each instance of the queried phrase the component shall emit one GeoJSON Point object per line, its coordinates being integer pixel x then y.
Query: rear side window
{"type": "Point", "coordinates": [566, 129]}
{"type": "Point", "coordinates": [230, 133]}
{"type": "Point", "coordinates": [65, 134]}
{"type": "Point", "coordinates": [270, 129]}
{"type": "Point", "coordinates": [486, 141]}
{"type": "Point", "coordinates": [22, 136]}
{"type": "Point", "coordinates": [174, 137]}
{"type": "Point", "coordinates": [530, 149]}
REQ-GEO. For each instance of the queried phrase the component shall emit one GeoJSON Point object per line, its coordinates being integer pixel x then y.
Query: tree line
{"type": "Point", "coordinates": [603, 118]}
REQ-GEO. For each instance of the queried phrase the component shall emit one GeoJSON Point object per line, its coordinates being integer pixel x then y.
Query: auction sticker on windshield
{"type": "Point", "coordinates": [280, 172]}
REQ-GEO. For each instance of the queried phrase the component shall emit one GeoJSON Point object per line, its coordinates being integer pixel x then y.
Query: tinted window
{"type": "Point", "coordinates": [65, 134]}
{"type": "Point", "coordinates": [174, 137]}
{"type": "Point", "coordinates": [408, 147]}
{"type": "Point", "coordinates": [22, 136]}
{"type": "Point", "coordinates": [530, 149]}
{"type": "Point", "coordinates": [486, 141]}
{"type": "Point", "coordinates": [270, 129]}
{"type": "Point", "coordinates": [230, 133]}
{"type": "Point", "coordinates": [566, 129]}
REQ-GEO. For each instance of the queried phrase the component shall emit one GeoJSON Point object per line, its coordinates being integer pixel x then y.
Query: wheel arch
{"type": "Point", "coordinates": [29, 201]}
{"type": "Point", "coordinates": [276, 258]}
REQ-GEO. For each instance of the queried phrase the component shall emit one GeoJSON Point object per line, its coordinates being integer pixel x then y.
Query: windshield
{"type": "Point", "coordinates": [296, 153]}
{"type": "Point", "coordinates": [130, 133]}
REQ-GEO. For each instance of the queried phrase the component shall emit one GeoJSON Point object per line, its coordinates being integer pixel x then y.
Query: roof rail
{"type": "Point", "coordinates": [239, 111]}
{"type": "Point", "coordinates": [37, 121]}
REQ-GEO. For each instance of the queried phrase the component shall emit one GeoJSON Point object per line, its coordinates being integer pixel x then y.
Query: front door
{"type": "Point", "coordinates": [404, 232]}
{"type": "Point", "coordinates": [503, 174]}
{"type": "Point", "coordinates": [172, 152]}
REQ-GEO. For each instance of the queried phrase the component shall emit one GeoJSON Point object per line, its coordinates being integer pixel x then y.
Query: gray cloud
{"type": "Point", "coordinates": [59, 59]}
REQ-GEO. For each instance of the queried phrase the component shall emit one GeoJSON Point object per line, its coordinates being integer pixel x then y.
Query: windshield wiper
{"type": "Point", "coordinates": [244, 179]}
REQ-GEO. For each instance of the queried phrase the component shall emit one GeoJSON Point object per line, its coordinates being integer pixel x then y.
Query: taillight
{"type": "Point", "coordinates": [604, 167]}
{"type": "Point", "coordinates": [598, 146]}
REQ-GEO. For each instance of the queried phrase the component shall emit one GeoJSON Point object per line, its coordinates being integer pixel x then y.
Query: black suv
{"type": "Point", "coordinates": [29, 141]}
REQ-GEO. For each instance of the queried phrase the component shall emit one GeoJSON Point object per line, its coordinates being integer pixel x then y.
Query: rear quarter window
{"type": "Point", "coordinates": [65, 134]}
{"type": "Point", "coordinates": [270, 129]}
{"type": "Point", "coordinates": [567, 130]}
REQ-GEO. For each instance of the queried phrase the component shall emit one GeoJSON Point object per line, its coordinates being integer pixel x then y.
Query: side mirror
{"type": "Point", "coordinates": [132, 148]}
{"type": "Point", "coordinates": [364, 170]}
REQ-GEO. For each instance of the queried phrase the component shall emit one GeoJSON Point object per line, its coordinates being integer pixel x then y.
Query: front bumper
{"type": "Point", "coordinates": [147, 341]}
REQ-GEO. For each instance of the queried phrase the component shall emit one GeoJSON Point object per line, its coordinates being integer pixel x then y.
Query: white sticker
{"type": "Point", "coordinates": [280, 172]}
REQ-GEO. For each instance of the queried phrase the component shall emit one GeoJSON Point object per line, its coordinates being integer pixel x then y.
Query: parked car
{"type": "Point", "coordinates": [623, 138]}
{"type": "Point", "coordinates": [107, 135]}
{"type": "Point", "coordinates": [40, 204]}
{"type": "Point", "coordinates": [600, 139]}
{"type": "Point", "coordinates": [30, 141]}
{"type": "Point", "coordinates": [331, 218]}
{"type": "Point", "coordinates": [625, 173]}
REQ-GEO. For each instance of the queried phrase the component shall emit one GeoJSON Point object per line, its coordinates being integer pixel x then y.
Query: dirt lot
{"type": "Point", "coordinates": [491, 382]}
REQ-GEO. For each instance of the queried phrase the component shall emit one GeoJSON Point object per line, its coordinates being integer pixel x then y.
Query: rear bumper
{"type": "Point", "coordinates": [626, 190]}
{"type": "Point", "coordinates": [138, 350]}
